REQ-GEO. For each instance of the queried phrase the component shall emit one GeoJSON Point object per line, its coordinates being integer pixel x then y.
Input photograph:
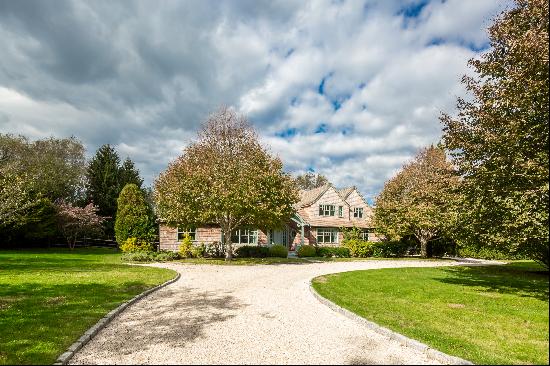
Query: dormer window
{"type": "Point", "coordinates": [326, 210]}
{"type": "Point", "coordinates": [358, 212]}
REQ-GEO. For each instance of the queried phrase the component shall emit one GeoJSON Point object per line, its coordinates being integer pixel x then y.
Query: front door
{"type": "Point", "coordinates": [280, 237]}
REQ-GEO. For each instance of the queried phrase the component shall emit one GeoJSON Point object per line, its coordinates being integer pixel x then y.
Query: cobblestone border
{"type": "Point", "coordinates": [65, 357]}
{"type": "Point", "coordinates": [428, 351]}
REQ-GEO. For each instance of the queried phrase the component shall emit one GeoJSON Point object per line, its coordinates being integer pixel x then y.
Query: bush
{"type": "Point", "coordinates": [306, 251]}
{"type": "Point", "coordinates": [252, 251]}
{"type": "Point", "coordinates": [137, 257]}
{"type": "Point", "coordinates": [164, 256]}
{"type": "Point", "coordinates": [198, 251]}
{"type": "Point", "coordinates": [278, 251]}
{"type": "Point", "coordinates": [385, 249]}
{"type": "Point", "coordinates": [134, 217]}
{"type": "Point", "coordinates": [132, 245]}
{"type": "Point", "coordinates": [333, 252]}
{"type": "Point", "coordinates": [359, 248]}
{"type": "Point", "coordinates": [486, 253]}
{"type": "Point", "coordinates": [214, 250]}
{"type": "Point", "coordinates": [186, 246]}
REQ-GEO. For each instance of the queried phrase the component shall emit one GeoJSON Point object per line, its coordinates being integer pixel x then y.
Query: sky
{"type": "Point", "coordinates": [347, 89]}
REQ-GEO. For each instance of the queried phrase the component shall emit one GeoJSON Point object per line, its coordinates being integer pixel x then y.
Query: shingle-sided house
{"type": "Point", "coordinates": [320, 215]}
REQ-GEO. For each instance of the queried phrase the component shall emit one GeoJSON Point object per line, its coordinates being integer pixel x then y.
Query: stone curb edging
{"type": "Point", "coordinates": [430, 352]}
{"type": "Point", "coordinates": [65, 357]}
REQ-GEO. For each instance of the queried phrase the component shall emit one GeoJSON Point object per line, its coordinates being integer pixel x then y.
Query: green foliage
{"type": "Point", "coordinates": [40, 223]}
{"type": "Point", "coordinates": [306, 251]}
{"type": "Point", "coordinates": [106, 177]}
{"type": "Point", "coordinates": [500, 138]}
{"type": "Point", "coordinates": [310, 180]}
{"type": "Point", "coordinates": [359, 248]}
{"type": "Point", "coordinates": [142, 256]}
{"type": "Point", "coordinates": [132, 245]}
{"type": "Point", "coordinates": [134, 216]}
{"type": "Point", "coordinates": [484, 252]}
{"type": "Point", "coordinates": [214, 250]}
{"type": "Point", "coordinates": [198, 251]}
{"type": "Point", "coordinates": [333, 252]}
{"type": "Point", "coordinates": [420, 200]}
{"type": "Point", "coordinates": [389, 248]}
{"type": "Point", "coordinates": [222, 177]}
{"type": "Point", "coordinates": [252, 251]}
{"type": "Point", "coordinates": [185, 247]}
{"type": "Point", "coordinates": [279, 251]}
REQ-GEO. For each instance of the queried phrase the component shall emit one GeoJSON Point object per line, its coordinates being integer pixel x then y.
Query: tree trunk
{"type": "Point", "coordinates": [424, 247]}
{"type": "Point", "coordinates": [228, 245]}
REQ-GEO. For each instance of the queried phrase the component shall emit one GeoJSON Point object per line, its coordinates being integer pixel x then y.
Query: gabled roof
{"type": "Point", "coordinates": [308, 197]}
{"type": "Point", "coordinates": [345, 192]}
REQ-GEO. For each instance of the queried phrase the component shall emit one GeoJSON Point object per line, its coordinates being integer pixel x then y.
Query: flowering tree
{"type": "Point", "coordinates": [75, 222]}
{"type": "Point", "coordinates": [226, 178]}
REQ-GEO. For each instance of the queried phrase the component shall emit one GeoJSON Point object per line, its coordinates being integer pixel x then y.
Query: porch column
{"type": "Point", "coordinates": [302, 234]}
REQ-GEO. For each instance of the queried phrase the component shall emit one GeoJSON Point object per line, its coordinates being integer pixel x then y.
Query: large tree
{"type": "Point", "coordinates": [499, 139]}
{"type": "Point", "coordinates": [54, 167]}
{"type": "Point", "coordinates": [75, 222]}
{"type": "Point", "coordinates": [106, 177]}
{"type": "Point", "coordinates": [310, 180]}
{"type": "Point", "coordinates": [418, 201]}
{"type": "Point", "coordinates": [227, 178]}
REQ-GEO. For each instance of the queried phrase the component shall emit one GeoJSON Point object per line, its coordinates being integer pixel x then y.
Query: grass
{"type": "Point", "coordinates": [49, 298]}
{"type": "Point", "coordinates": [488, 315]}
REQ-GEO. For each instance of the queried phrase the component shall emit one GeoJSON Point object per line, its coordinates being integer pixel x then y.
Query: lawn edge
{"type": "Point", "coordinates": [66, 356]}
{"type": "Point", "coordinates": [430, 352]}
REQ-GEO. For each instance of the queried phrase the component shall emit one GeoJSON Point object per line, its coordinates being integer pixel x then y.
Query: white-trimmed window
{"type": "Point", "coordinates": [327, 236]}
{"type": "Point", "coordinates": [365, 235]}
{"type": "Point", "coordinates": [326, 210]}
{"type": "Point", "coordinates": [244, 236]}
{"type": "Point", "coordinates": [192, 232]}
{"type": "Point", "coordinates": [358, 212]}
{"type": "Point", "coordinates": [340, 211]}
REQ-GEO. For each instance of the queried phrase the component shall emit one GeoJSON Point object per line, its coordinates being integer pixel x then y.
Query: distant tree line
{"type": "Point", "coordinates": [49, 190]}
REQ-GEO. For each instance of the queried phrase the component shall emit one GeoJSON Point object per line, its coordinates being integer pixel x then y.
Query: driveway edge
{"type": "Point", "coordinates": [406, 341]}
{"type": "Point", "coordinates": [66, 356]}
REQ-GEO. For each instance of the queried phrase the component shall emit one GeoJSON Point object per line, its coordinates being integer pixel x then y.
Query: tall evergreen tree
{"type": "Point", "coordinates": [103, 184]}
{"type": "Point", "coordinates": [129, 174]}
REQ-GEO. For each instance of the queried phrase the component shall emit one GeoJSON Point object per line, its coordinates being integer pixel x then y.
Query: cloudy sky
{"type": "Point", "coordinates": [349, 89]}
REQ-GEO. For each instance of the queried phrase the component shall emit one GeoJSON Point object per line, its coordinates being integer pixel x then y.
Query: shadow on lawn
{"type": "Point", "coordinates": [502, 279]}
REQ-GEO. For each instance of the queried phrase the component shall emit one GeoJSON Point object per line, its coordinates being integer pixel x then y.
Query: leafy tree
{"type": "Point", "coordinates": [310, 180]}
{"type": "Point", "coordinates": [54, 168]}
{"type": "Point", "coordinates": [499, 140]}
{"type": "Point", "coordinates": [75, 222]}
{"type": "Point", "coordinates": [227, 178]}
{"type": "Point", "coordinates": [134, 216]}
{"type": "Point", "coordinates": [419, 199]}
{"type": "Point", "coordinates": [15, 198]}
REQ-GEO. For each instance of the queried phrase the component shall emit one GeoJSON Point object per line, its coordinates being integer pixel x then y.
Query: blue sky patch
{"type": "Point", "coordinates": [321, 88]}
{"type": "Point", "coordinates": [322, 128]}
{"type": "Point", "coordinates": [289, 132]}
{"type": "Point", "coordinates": [413, 10]}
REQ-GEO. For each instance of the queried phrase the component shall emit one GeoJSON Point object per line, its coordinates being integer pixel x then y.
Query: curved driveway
{"type": "Point", "coordinates": [263, 314]}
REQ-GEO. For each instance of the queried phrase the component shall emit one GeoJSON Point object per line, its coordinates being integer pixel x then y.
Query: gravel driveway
{"type": "Point", "coordinates": [263, 314]}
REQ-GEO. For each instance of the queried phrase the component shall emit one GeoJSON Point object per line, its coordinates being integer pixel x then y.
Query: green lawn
{"type": "Point", "coordinates": [49, 298]}
{"type": "Point", "coordinates": [488, 315]}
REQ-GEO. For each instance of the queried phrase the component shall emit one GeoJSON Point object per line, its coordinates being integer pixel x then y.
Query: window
{"type": "Point", "coordinates": [340, 211]}
{"type": "Point", "coordinates": [192, 232]}
{"type": "Point", "coordinates": [326, 210]}
{"type": "Point", "coordinates": [327, 236]}
{"type": "Point", "coordinates": [244, 236]}
{"type": "Point", "coordinates": [365, 235]}
{"type": "Point", "coordinates": [358, 212]}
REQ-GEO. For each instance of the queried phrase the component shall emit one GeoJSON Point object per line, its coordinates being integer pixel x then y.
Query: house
{"type": "Point", "coordinates": [320, 215]}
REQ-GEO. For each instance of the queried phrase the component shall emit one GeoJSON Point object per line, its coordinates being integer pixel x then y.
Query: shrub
{"type": "Point", "coordinates": [385, 249]}
{"type": "Point", "coordinates": [136, 257]}
{"type": "Point", "coordinates": [486, 253]}
{"type": "Point", "coordinates": [278, 251]}
{"type": "Point", "coordinates": [359, 248]}
{"type": "Point", "coordinates": [333, 252]}
{"type": "Point", "coordinates": [132, 245]}
{"type": "Point", "coordinates": [198, 251]}
{"type": "Point", "coordinates": [214, 250]}
{"type": "Point", "coordinates": [185, 247]}
{"type": "Point", "coordinates": [134, 218]}
{"type": "Point", "coordinates": [252, 251]}
{"type": "Point", "coordinates": [164, 256]}
{"type": "Point", "coordinates": [307, 251]}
